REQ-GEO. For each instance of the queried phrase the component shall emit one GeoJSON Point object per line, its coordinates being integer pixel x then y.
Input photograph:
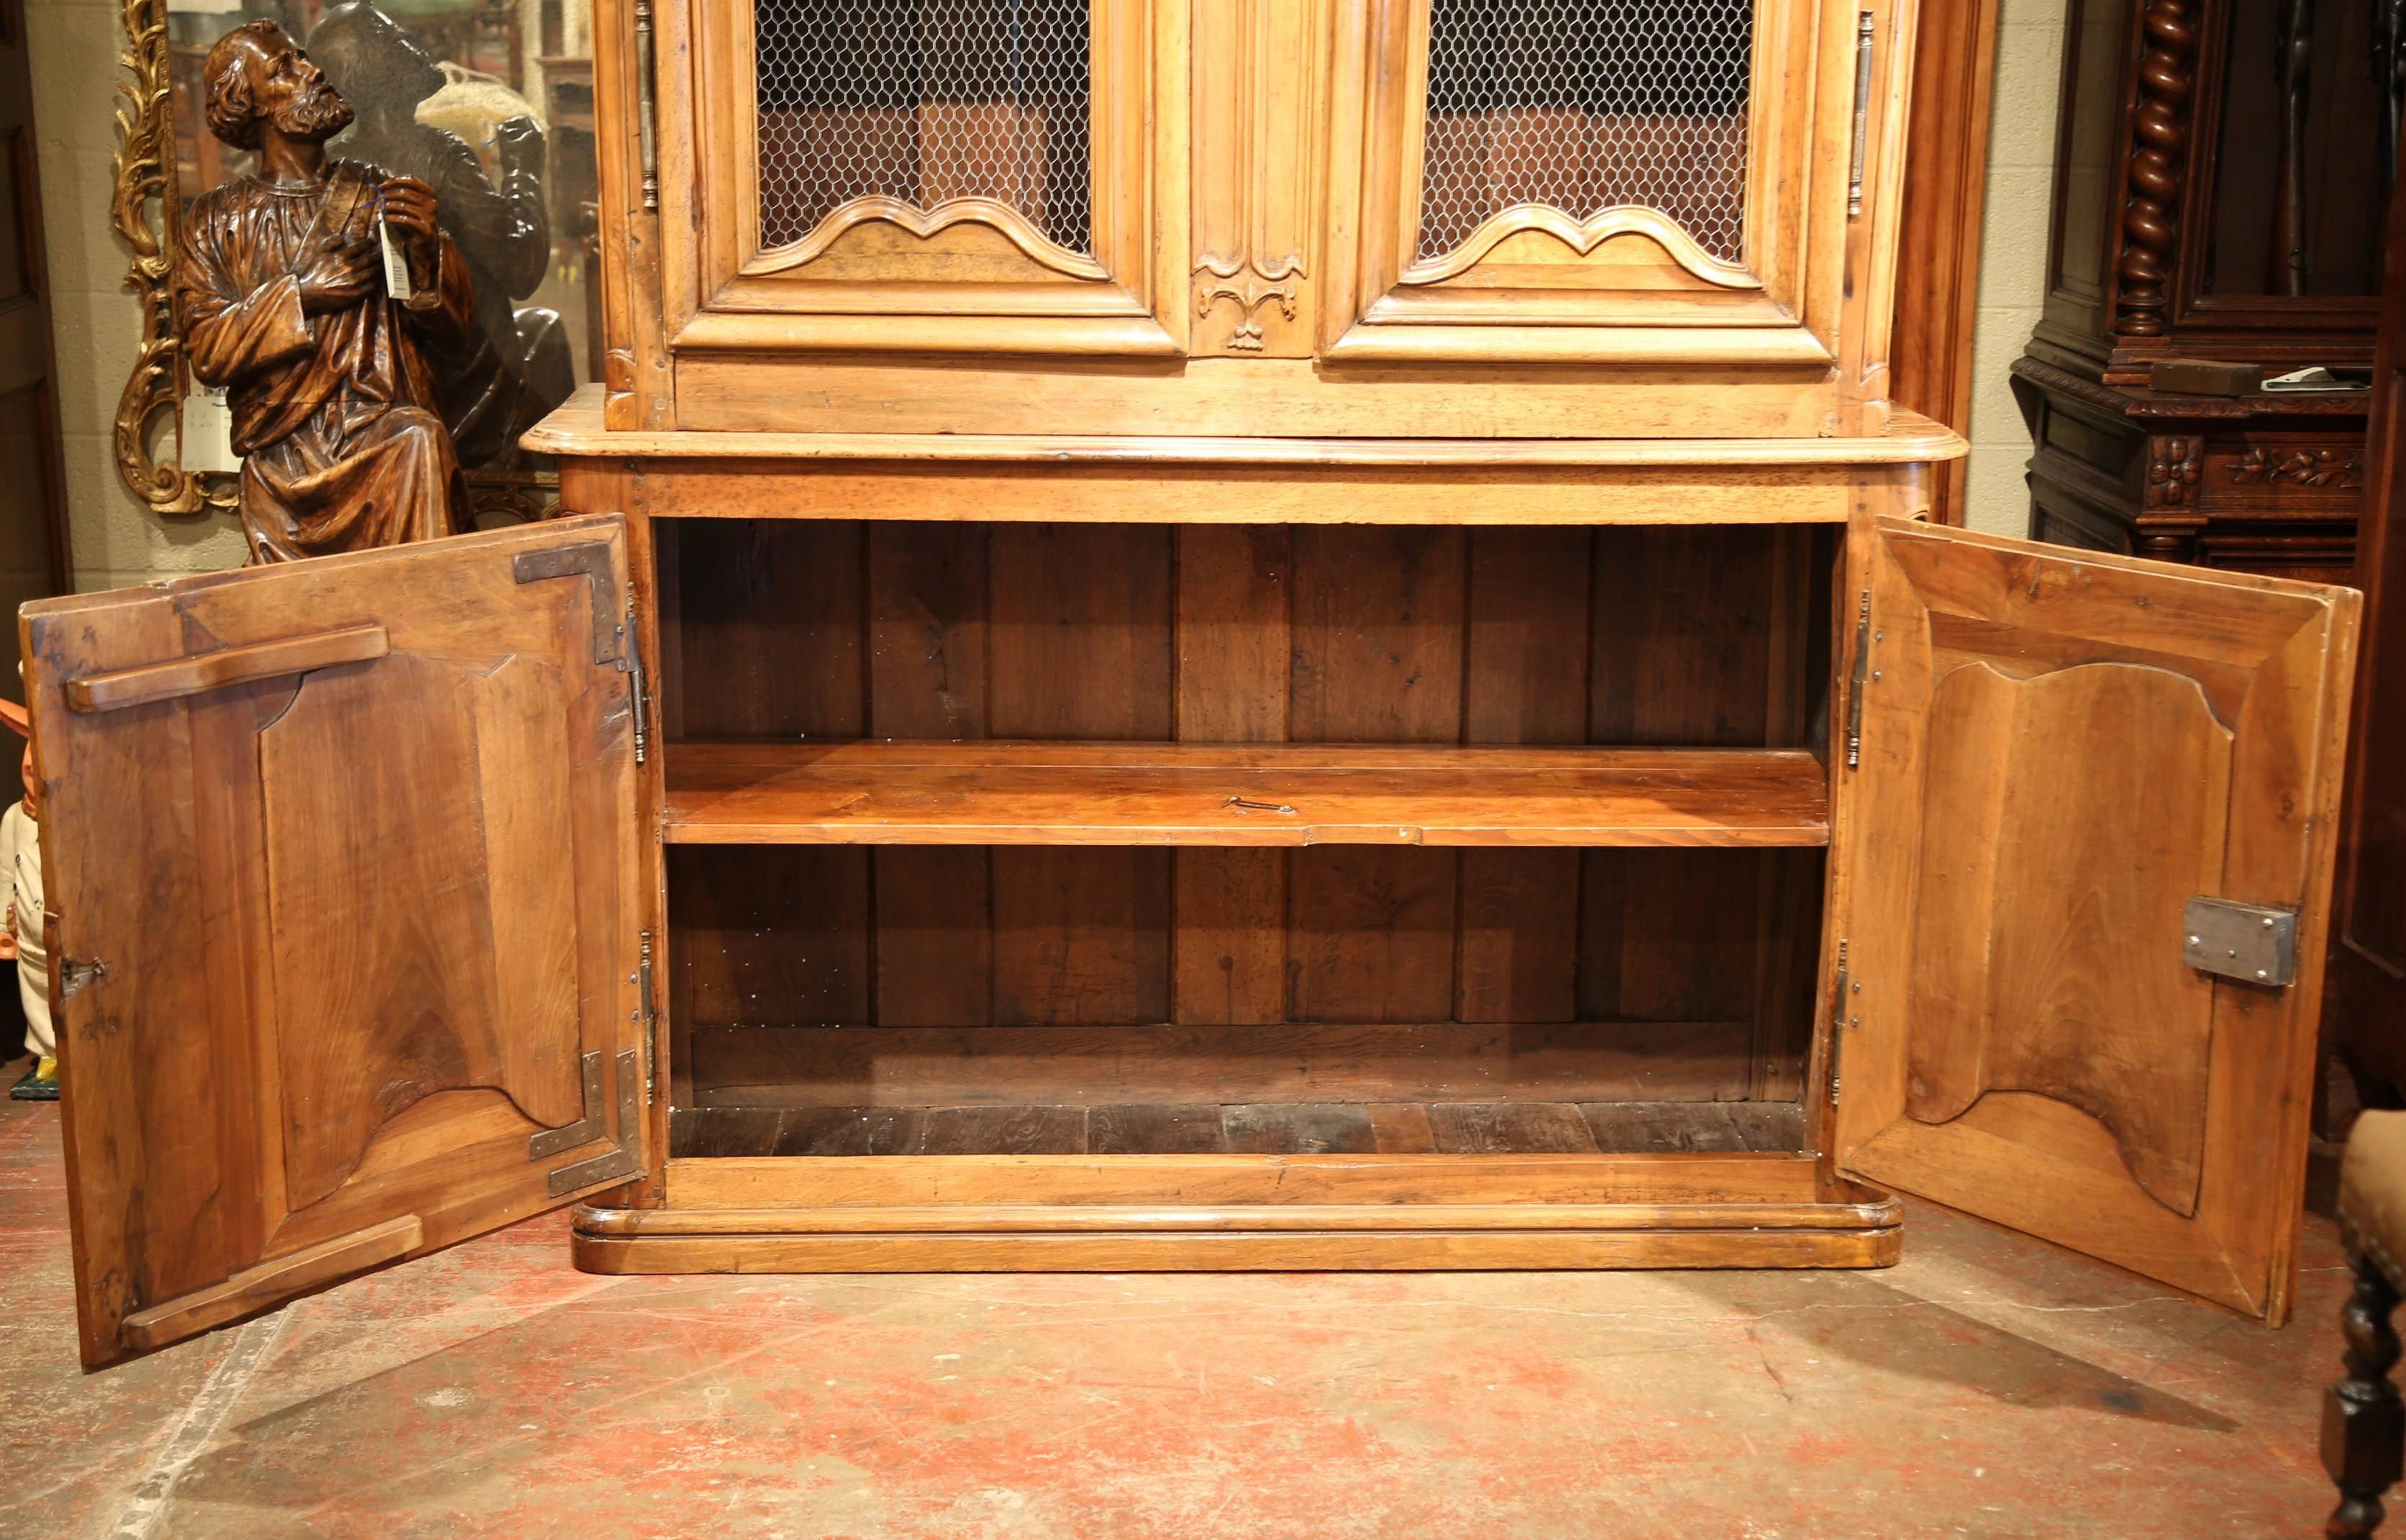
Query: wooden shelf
{"type": "Point", "coordinates": [1191, 794]}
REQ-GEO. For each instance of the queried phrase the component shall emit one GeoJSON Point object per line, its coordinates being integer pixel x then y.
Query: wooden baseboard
{"type": "Point", "coordinates": [1208, 1213]}
{"type": "Point", "coordinates": [1291, 1251]}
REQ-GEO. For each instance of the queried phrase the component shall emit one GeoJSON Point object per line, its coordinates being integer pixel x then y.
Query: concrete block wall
{"type": "Point", "coordinates": [2013, 256]}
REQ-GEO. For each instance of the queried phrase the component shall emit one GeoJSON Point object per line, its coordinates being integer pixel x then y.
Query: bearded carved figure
{"type": "Point", "coordinates": [327, 359]}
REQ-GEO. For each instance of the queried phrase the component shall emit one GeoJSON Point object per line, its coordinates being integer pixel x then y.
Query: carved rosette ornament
{"type": "Point", "coordinates": [2173, 465]}
{"type": "Point", "coordinates": [2159, 161]}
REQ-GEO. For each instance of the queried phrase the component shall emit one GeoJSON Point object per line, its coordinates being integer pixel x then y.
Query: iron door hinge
{"type": "Point", "coordinates": [2244, 941]}
{"type": "Point", "coordinates": [647, 1013]}
{"type": "Point", "coordinates": [639, 684]}
{"type": "Point", "coordinates": [75, 976]}
{"type": "Point", "coordinates": [1839, 1021]}
{"type": "Point", "coordinates": [647, 106]}
{"type": "Point", "coordinates": [624, 1161]}
{"type": "Point", "coordinates": [72, 977]}
{"type": "Point", "coordinates": [1858, 680]}
{"type": "Point", "coordinates": [1864, 27]}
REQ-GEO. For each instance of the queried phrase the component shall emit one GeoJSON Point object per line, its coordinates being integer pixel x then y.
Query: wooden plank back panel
{"type": "Point", "coordinates": [761, 939]}
{"type": "Point", "coordinates": [933, 917]}
{"type": "Point", "coordinates": [926, 630]}
{"type": "Point", "coordinates": [1671, 636]}
{"type": "Point", "coordinates": [1236, 597]}
{"type": "Point", "coordinates": [1518, 960]}
{"type": "Point", "coordinates": [1698, 636]}
{"type": "Point", "coordinates": [1231, 942]}
{"type": "Point", "coordinates": [1079, 647]}
{"type": "Point", "coordinates": [1060, 937]}
{"type": "Point", "coordinates": [1671, 936]}
{"type": "Point", "coordinates": [1081, 935]}
{"type": "Point", "coordinates": [770, 640]}
{"type": "Point", "coordinates": [1527, 647]}
{"type": "Point", "coordinates": [1371, 934]}
{"type": "Point", "coordinates": [1378, 626]}
{"type": "Point", "coordinates": [1078, 643]}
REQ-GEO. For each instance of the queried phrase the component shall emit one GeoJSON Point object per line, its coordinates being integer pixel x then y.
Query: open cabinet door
{"type": "Point", "coordinates": [342, 873]}
{"type": "Point", "coordinates": [2088, 791]}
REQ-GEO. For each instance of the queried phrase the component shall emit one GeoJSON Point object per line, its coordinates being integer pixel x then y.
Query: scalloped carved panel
{"type": "Point", "coordinates": [1582, 117]}
{"type": "Point", "coordinates": [2024, 975]}
{"type": "Point", "coordinates": [924, 114]}
{"type": "Point", "coordinates": [434, 986]}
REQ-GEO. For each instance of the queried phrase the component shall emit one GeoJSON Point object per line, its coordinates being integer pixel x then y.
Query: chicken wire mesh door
{"type": "Point", "coordinates": [1653, 182]}
{"type": "Point", "coordinates": [1586, 106]}
{"type": "Point", "coordinates": [925, 104]}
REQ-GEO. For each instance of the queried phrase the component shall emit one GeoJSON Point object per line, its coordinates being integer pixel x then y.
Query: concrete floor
{"type": "Point", "coordinates": [1988, 1385]}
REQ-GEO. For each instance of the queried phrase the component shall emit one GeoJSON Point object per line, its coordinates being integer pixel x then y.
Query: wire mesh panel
{"type": "Point", "coordinates": [1585, 106]}
{"type": "Point", "coordinates": [924, 101]}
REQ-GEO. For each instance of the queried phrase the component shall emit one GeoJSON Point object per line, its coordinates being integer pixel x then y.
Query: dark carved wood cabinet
{"type": "Point", "coordinates": [2216, 197]}
{"type": "Point", "coordinates": [1205, 634]}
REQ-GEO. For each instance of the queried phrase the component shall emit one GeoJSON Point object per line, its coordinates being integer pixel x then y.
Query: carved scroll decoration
{"type": "Point", "coordinates": [1584, 236]}
{"type": "Point", "coordinates": [145, 211]}
{"type": "Point", "coordinates": [926, 224]}
{"type": "Point", "coordinates": [2157, 165]}
{"type": "Point", "coordinates": [1257, 73]}
{"type": "Point", "coordinates": [2339, 468]}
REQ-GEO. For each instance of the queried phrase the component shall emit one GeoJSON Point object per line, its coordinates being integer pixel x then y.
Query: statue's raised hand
{"type": "Point", "coordinates": [518, 143]}
{"type": "Point", "coordinates": [339, 275]}
{"type": "Point", "coordinates": [409, 214]}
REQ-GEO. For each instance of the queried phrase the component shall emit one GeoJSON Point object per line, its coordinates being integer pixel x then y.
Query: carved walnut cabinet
{"type": "Point", "coordinates": [1202, 634]}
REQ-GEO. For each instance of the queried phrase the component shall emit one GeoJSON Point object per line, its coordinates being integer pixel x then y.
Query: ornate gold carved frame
{"type": "Point", "coordinates": [148, 215]}
{"type": "Point", "coordinates": [145, 212]}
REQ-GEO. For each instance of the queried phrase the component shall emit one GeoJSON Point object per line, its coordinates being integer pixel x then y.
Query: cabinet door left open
{"type": "Point", "coordinates": [346, 893]}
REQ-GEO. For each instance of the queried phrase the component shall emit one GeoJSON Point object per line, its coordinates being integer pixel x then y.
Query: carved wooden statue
{"type": "Point", "coordinates": [291, 305]}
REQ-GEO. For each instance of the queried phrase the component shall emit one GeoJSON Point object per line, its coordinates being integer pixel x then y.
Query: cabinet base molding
{"type": "Point", "coordinates": [1237, 1213]}
{"type": "Point", "coordinates": [1241, 1251]}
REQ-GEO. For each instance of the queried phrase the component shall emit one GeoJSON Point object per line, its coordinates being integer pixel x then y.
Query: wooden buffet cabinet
{"type": "Point", "coordinates": [2219, 181]}
{"type": "Point", "coordinates": [1201, 635]}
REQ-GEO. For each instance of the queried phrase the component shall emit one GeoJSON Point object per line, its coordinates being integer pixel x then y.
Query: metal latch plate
{"type": "Point", "coordinates": [2244, 941]}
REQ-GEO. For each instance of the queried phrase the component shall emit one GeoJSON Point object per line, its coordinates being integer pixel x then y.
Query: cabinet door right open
{"type": "Point", "coordinates": [2078, 778]}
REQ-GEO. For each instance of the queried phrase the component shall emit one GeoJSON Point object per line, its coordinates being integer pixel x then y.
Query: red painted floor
{"type": "Point", "coordinates": [1988, 1386]}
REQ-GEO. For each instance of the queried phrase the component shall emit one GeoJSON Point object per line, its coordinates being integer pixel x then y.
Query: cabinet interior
{"type": "Point", "coordinates": [921, 898]}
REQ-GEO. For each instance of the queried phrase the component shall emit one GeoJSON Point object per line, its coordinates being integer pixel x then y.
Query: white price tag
{"type": "Point", "coordinates": [396, 267]}
{"type": "Point", "coordinates": [207, 443]}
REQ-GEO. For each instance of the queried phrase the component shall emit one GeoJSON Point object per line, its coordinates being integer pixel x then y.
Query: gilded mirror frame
{"type": "Point", "coordinates": [149, 410]}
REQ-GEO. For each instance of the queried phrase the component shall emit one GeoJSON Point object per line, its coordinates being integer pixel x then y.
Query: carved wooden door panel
{"type": "Point", "coordinates": [343, 863]}
{"type": "Point", "coordinates": [2060, 755]}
